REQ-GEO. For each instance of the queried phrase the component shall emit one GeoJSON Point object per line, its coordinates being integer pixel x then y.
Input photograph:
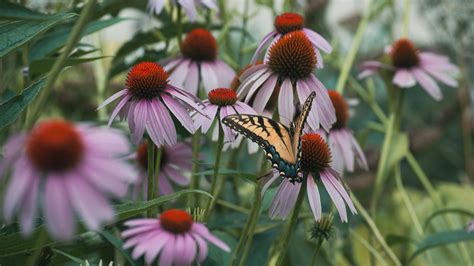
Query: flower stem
{"type": "Point", "coordinates": [406, 17]}
{"type": "Point", "coordinates": [179, 34]}
{"type": "Point", "coordinates": [214, 191]}
{"type": "Point", "coordinates": [252, 223]}
{"type": "Point", "coordinates": [316, 251]}
{"type": "Point", "coordinates": [194, 184]}
{"type": "Point", "coordinates": [59, 63]}
{"type": "Point", "coordinates": [151, 173]}
{"type": "Point", "coordinates": [347, 65]}
{"type": "Point", "coordinates": [242, 31]}
{"type": "Point", "coordinates": [282, 243]}
{"type": "Point", "coordinates": [375, 230]}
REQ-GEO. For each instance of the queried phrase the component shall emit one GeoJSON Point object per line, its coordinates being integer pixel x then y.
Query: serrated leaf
{"type": "Point", "coordinates": [118, 243]}
{"type": "Point", "coordinates": [441, 239]}
{"type": "Point", "coordinates": [20, 25]}
{"type": "Point", "coordinates": [11, 109]}
{"type": "Point", "coordinates": [127, 210]}
{"type": "Point", "coordinates": [57, 38]}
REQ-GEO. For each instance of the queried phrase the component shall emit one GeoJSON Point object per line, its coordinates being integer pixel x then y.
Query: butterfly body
{"type": "Point", "coordinates": [282, 145]}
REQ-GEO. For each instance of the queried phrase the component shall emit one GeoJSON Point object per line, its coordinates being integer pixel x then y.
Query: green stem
{"type": "Point", "coordinates": [253, 219]}
{"type": "Point", "coordinates": [282, 244]}
{"type": "Point", "coordinates": [194, 183]}
{"type": "Point", "coordinates": [244, 26]}
{"type": "Point", "coordinates": [369, 247]}
{"type": "Point", "coordinates": [406, 18]}
{"type": "Point", "coordinates": [316, 251]}
{"type": "Point", "coordinates": [180, 25]}
{"type": "Point", "coordinates": [151, 173]}
{"type": "Point", "coordinates": [40, 242]}
{"type": "Point", "coordinates": [214, 191]}
{"type": "Point", "coordinates": [407, 201]}
{"type": "Point", "coordinates": [58, 65]}
{"type": "Point", "coordinates": [375, 231]}
{"type": "Point", "coordinates": [347, 65]}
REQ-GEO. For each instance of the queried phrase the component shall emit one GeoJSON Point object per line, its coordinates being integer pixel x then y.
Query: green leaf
{"type": "Point", "coordinates": [55, 39]}
{"type": "Point", "coordinates": [15, 243]}
{"type": "Point", "coordinates": [127, 210]}
{"type": "Point", "coordinates": [118, 243]}
{"type": "Point", "coordinates": [441, 239]}
{"type": "Point", "coordinates": [393, 240]}
{"type": "Point", "coordinates": [398, 149]}
{"type": "Point", "coordinates": [19, 25]}
{"type": "Point", "coordinates": [450, 210]}
{"type": "Point", "coordinates": [11, 109]}
{"type": "Point", "coordinates": [44, 65]}
{"type": "Point", "coordinates": [69, 256]}
{"type": "Point", "coordinates": [223, 171]}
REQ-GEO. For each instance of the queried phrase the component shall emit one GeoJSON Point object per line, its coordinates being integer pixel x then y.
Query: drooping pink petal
{"type": "Point", "coordinates": [179, 73]}
{"type": "Point", "coordinates": [440, 74]}
{"type": "Point", "coordinates": [167, 255]}
{"type": "Point", "coordinates": [336, 150]}
{"type": "Point", "coordinates": [189, 99]}
{"type": "Point", "coordinates": [138, 230]}
{"type": "Point", "coordinates": [29, 207]}
{"type": "Point", "coordinates": [322, 102]}
{"type": "Point", "coordinates": [168, 66]}
{"type": "Point", "coordinates": [257, 84]}
{"type": "Point", "coordinates": [303, 90]}
{"type": "Point", "coordinates": [334, 178]}
{"type": "Point", "coordinates": [191, 83]}
{"type": "Point", "coordinates": [204, 232]}
{"type": "Point", "coordinates": [276, 38]}
{"type": "Point", "coordinates": [11, 151]}
{"type": "Point", "coordinates": [190, 9]}
{"type": "Point", "coordinates": [208, 76]}
{"type": "Point", "coordinates": [83, 196]}
{"type": "Point", "coordinates": [112, 98]}
{"type": "Point", "coordinates": [427, 83]}
{"type": "Point", "coordinates": [180, 113]}
{"type": "Point", "coordinates": [251, 71]}
{"type": "Point", "coordinates": [268, 179]}
{"type": "Point", "coordinates": [105, 142]}
{"type": "Point", "coordinates": [22, 176]}
{"type": "Point", "coordinates": [318, 40]}
{"type": "Point", "coordinates": [202, 246]}
{"type": "Point", "coordinates": [139, 119]}
{"type": "Point", "coordinates": [156, 245]}
{"type": "Point", "coordinates": [246, 84]}
{"type": "Point", "coordinates": [155, 6]}
{"type": "Point", "coordinates": [344, 140]}
{"type": "Point", "coordinates": [106, 183]}
{"type": "Point", "coordinates": [264, 94]}
{"type": "Point", "coordinates": [141, 221]}
{"type": "Point", "coordinates": [319, 59]}
{"type": "Point", "coordinates": [203, 122]}
{"type": "Point", "coordinates": [314, 198]}
{"type": "Point", "coordinates": [164, 123]}
{"type": "Point", "coordinates": [266, 39]}
{"type": "Point", "coordinates": [243, 108]}
{"type": "Point", "coordinates": [229, 134]}
{"type": "Point", "coordinates": [360, 156]}
{"type": "Point", "coordinates": [334, 195]}
{"type": "Point", "coordinates": [144, 245]}
{"type": "Point", "coordinates": [176, 176]}
{"type": "Point", "coordinates": [286, 105]}
{"type": "Point", "coordinates": [284, 200]}
{"type": "Point", "coordinates": [58, 209]}
{"type": "Point", "coordinates": [179, 250]}
{"type": "Point", "coordinates": [225, 74]}
{"type": "Point", "coordinates": [190, 249]}
{"type": "Point", "coordinates": [404, 78]}
{"type": "Point", "coordinates": [164, 185]}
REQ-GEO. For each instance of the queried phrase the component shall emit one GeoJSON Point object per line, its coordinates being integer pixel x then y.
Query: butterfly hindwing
{"type": "Point", "coordinates": [281, 144]}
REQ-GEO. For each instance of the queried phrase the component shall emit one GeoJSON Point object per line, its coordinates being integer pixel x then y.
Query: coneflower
{"type": "Point", "coordinates": [410, 66]}
{"type": "Point", "coordinates": [287, 23]}
{"type": "Point", "coordinates": [288, 70]}
{"type": "Point", "coordinates": [198, 61]}
{"type": "Point", "coordinates": [147, 101]}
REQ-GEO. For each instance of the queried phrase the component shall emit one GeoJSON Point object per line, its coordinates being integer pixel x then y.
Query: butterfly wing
{"type": "Point", "coordinates": [272, 136]}
{"type": "Point", "coordinates": [300, 121]}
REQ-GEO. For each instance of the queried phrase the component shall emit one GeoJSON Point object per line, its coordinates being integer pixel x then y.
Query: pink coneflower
{"type": "Point", "coordinates": [199, 62]}
{"type": "Point", "coordinates": [174, 237]}
{"type": "Point", "coordinates": [288, 69]}
{"type": "Point", "coordinates": [411, 66]}
{"type": "Point", "coordinates": [315, 164]}
{"type": "Point", "coordinates": [78, 166]}
{"type": "Point", "coordinates": [287, 23]}
{"type": "Point", "coordinates": [156, 6]}
{"type": "Point", "coordinates": [344, 146]}
{"type": "Point", "coordinates": [221, 103]}
{"type": "Point", "coordinates": [146, 102]}
{"type": "Point", "coordinates": [175, 161]}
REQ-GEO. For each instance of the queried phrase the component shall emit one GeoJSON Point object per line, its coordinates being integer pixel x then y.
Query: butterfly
{"type": "Point", "coordinates": [282, 145]}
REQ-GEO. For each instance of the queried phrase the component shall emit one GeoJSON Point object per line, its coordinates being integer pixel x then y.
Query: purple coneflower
{"type": "Point", "coordinates": [315, 164]}
{"type": "Point", "coordinates": [221, 103]}
{"type": "Point", "coordinates": [291, 22]}
{"type": "Point", "coordinates": [344, 146]}
{"type": "Point", "coordinates": [289, 68]}
{"type": "Point", "coordinates": [156, 6]}
{"type": "Point", "coordinates": [174, 237]}
{"type": "Point", "coordinates": [175, 161]}
{"type": "Point", "coordinates": [411, 66]}
{"type": "Point", "coordinates": [199, 62]}
{"type": "Point", "coordinates": [78, 165]}
{"type": "Point", "coordinates": [146, 101]}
